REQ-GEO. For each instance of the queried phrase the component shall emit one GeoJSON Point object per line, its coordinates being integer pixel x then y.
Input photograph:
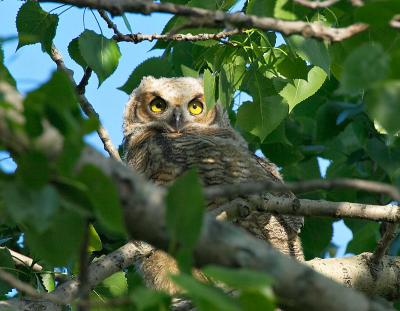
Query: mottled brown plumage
{"type": "Point", "coordinates": [164, 143]}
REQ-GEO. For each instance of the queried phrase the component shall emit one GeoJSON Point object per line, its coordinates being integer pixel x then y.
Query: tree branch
{"type": "Point", "coordinates": [81, 87]}
{"type": "Point", "coordinates": [68, 292]}
{"type": "Point", "coordinates": [85, 104]}
{"type": "Point", "coordinates": [227, 245]}
{"type": "Point", "coordinates": [304, 207]}
{"type": "Point", "coordinates": [84, 286]}
{"type": "Point", "coordinates": [20, 259]}
{"type": "Point", "coordinates": [138, 37]}
{"type": "Point", "coordinates": [218, 18]}
{"type": "Point", "coordinates": [355, 272]}
{"type": "Point", "coordinates": [383, 245]}
{"type": "Point", "coordinates": [235, 190]}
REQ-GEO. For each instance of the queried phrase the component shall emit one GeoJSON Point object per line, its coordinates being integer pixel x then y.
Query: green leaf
{"type": "Point", "coordinates": [104, 198]}
{"type": "Point", "coordinates": [127, 23]}
{"type": "Point", "coordinates": [282, 154]}
{"type": "Point", "coordinates": [5, 74]}
{"type": "Point", "coordinates": [365, 236]}
{"type": "Point", "coordinates": [33, 169]}
{"type": "Point", "coordinates": [293, 68]}
{"type": "Point", "coordinates": [56, 100]}
{"type": "Point", "coordinates": [242, 279]}
{"type": "Point", "coordinates": [382, 104]}
{"type": "Point", "coordinates": [256, 300]}
{"type": "Point", "coordinates": [204, 296]}
{"type": "Point", "coordinates": [366, 65]}
{"type": "Point", "coordinates": [316, 236]}
{"type": "Point", "coordinates": [263, 117]}
{"type": "Point", "coordinates": [299, 90]}
{"type": "Point", "coordinates": [307, 169]}
{"type": "Point", "coordinates": [280, 10]}
{"type": "Point", "coordinates": [48, 281]}
{"type": "Point", "coordinates": [94, 240]}
{"type": "Point", "coordinates": [311, 50]}
{"type": "Point", "coordinates": [224, 89]}
{"type": "Point", "coordinates": [326, 117]}
{"type": "Point", "coordinates": [60, 243]}
{"type": "Point", "coordinates": [150, 300]}
{"type": "Point", "coordinates": [7, 264]}
{"type": "Point", "coordinates": [116, 284]}
{"type": "Point", "coordinates": [100, 54]}
{"type": "Point", "coordinates": [185, 209]}
{"type": "Point", "coordinates": [75, 53]}
{"type": "Point", "coordinates": [34, 207]}
{"type": "Point", "coordinates": [209, 89]}
{"type": "Point", "coordinates": [154, 66]}
{"type": "Point", "coordinates": [36, 26]}
{"type": "Point", "coordinates": [387, 157]}
{"type": "Point", "coordinates": [260, 7]}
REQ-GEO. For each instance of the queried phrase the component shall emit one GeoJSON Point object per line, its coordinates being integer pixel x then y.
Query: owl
{"type": "Point", "coordinates": [168, 130]}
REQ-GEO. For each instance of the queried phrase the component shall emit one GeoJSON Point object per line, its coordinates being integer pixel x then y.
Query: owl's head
{"type": "Point", "coordinates": [171, 105]}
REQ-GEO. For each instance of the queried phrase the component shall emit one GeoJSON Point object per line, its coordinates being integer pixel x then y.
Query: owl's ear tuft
{"type": "Point", "coordinates": [221, 116]}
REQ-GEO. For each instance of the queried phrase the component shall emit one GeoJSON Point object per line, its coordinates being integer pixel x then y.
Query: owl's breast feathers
{"type": "Point", "coordinates": [220, 156]}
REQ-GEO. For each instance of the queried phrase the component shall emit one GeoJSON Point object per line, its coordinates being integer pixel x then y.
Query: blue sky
{"type": "Point", "coordinates": [31, 67]}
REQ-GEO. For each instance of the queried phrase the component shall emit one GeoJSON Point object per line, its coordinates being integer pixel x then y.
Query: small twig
{"type": "Point", "coordinates": [110, 23]}
{"type": "Point", "coordinates": [235, 190]}
{"type": "Point", "coordinates": [222, 19]}
{"type": "Point", "coordinates": [383, 245]}
{"type": "Point", "coordinates": [316, 4]}
{"type": "Point", "coordinates": [138, 37]}
{"type": "Point", "coordinates": [86, 106]}
{"type": "Point", "coordinates": [20, 259]}
{"type": "Point", "coordinates": [84, 81]}
{"type": "Point", "coordinates": [84, 287]}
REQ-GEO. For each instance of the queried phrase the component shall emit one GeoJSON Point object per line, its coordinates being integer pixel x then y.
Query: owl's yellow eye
{"type": "Point", "coordinates": [195, 107]}
{"type": "Point", "coordinates": [158, 105]}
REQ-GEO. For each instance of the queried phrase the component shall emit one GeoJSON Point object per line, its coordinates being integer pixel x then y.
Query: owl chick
{"type": "Point", "coordinates": [167, 130]}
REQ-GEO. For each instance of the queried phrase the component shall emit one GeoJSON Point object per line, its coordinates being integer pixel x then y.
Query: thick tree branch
{"type": "Point", "coordinates": [355, 272]}
{"type": "Point", "coordinates": [218, 18]}
{"type": "Point", "coordinates": [304, 207]}
{"type": "Point", "coordinates": [85, 104]}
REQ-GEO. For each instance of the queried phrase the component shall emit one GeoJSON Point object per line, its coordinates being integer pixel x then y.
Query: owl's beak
{"type": "Point", "coordinates": [176, 120]}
